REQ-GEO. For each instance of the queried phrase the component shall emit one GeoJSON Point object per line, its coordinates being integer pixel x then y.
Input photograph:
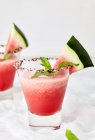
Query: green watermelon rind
{"type": "Point", "coordinates": [21, 35]}
{"type": "Point", "coordinates": [71, 56]}
{"type": "Point", "coordinates": [84, 57]}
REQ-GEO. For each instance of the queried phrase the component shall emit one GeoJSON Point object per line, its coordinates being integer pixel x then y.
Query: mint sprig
{"type": "Point", "coordinates": [45, 73]}
{"type": "Point", "coordinates": [37, 74]}
{"type": "Point", "coordinates": [45, 63]}
{"type": "Point", "coordinates": [70, 135]}
{"type": "Point", "coordinates": [8, 56]}
{"type": "Point", "coordinates": [48, 70]}
{"type": "Point", "coordinates": [66, 64]}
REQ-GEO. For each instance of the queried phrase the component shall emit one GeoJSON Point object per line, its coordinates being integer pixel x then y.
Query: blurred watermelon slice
{"type": "Point", "coordinates": [16, 41]}
{"type": "Point", "coordinates": [75, 53]}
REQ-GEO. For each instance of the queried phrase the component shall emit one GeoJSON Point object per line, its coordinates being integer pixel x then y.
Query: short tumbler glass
{"type": "Point", "coordinates": [7, 74]}
{"type": "Point", "coordinates": [44, 95]}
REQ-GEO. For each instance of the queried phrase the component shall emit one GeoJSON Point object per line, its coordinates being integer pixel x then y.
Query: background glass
{"type": "Point", "coordinates": [7, 74]}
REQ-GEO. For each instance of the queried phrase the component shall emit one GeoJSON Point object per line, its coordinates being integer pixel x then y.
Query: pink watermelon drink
{"type": "Point", "coordinates": [8, 57]}
{"type": "Point", "coordinates": [7, 73]}
{"type": "Point", "coordinates": [44, 95]}
{"type": "Point", "coordinates": [44, 90]}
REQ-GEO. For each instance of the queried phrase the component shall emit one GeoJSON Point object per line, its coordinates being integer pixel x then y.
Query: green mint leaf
{"type": "Point", "coordinates": [8, 56]}
{"type": "Point", "coordinates": [45, 63]}
{"type": "Point", "coordinates": [46, 73]}
{"type": "Point", "coordinates": [49, 72]}
{"type": "Point", "coordinates": [66, 64]}
{"type": "Point", "coordinates": [37, 74]}
{"type": "Point", "coordinates": [70, 135]}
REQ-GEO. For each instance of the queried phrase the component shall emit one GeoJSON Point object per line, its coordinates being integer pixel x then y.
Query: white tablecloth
{"type": "Point", "coordinates": [78, 112]}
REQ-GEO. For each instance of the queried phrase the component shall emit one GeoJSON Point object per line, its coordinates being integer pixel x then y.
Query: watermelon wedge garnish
{"type": "Point", "coordinates": [75, 53]}
{"type": "Point", "coordinates": [16, 41]}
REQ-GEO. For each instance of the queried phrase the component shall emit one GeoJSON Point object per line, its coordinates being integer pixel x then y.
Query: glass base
{"type": "Point", "coordinates": [7, 94]}
{"type": "Point", "coordinates": [51, 121]}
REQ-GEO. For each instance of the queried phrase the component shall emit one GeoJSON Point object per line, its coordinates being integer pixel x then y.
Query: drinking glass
{"type": "Point", "coordinates": [7, 74]}
{"type": "Point", "coordinates": [44, 94]}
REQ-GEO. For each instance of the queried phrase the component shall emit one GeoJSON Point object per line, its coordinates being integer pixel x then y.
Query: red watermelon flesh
{"type": "Point", "coordinates": [11, 45]}
{"type": "Point", "coordinates": [16, 41]}
{"type": "Point", "coordinates": [61, 59]}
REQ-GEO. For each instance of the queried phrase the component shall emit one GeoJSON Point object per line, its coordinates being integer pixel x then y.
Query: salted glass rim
{"type": "Point", "coordinates": [19, 62]}
{"type": "Point", "coordinates": [18, 66]}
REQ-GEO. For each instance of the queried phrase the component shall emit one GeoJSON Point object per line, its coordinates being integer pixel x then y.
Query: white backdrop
{"type": "Point", "coordinates": [48, 24]}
